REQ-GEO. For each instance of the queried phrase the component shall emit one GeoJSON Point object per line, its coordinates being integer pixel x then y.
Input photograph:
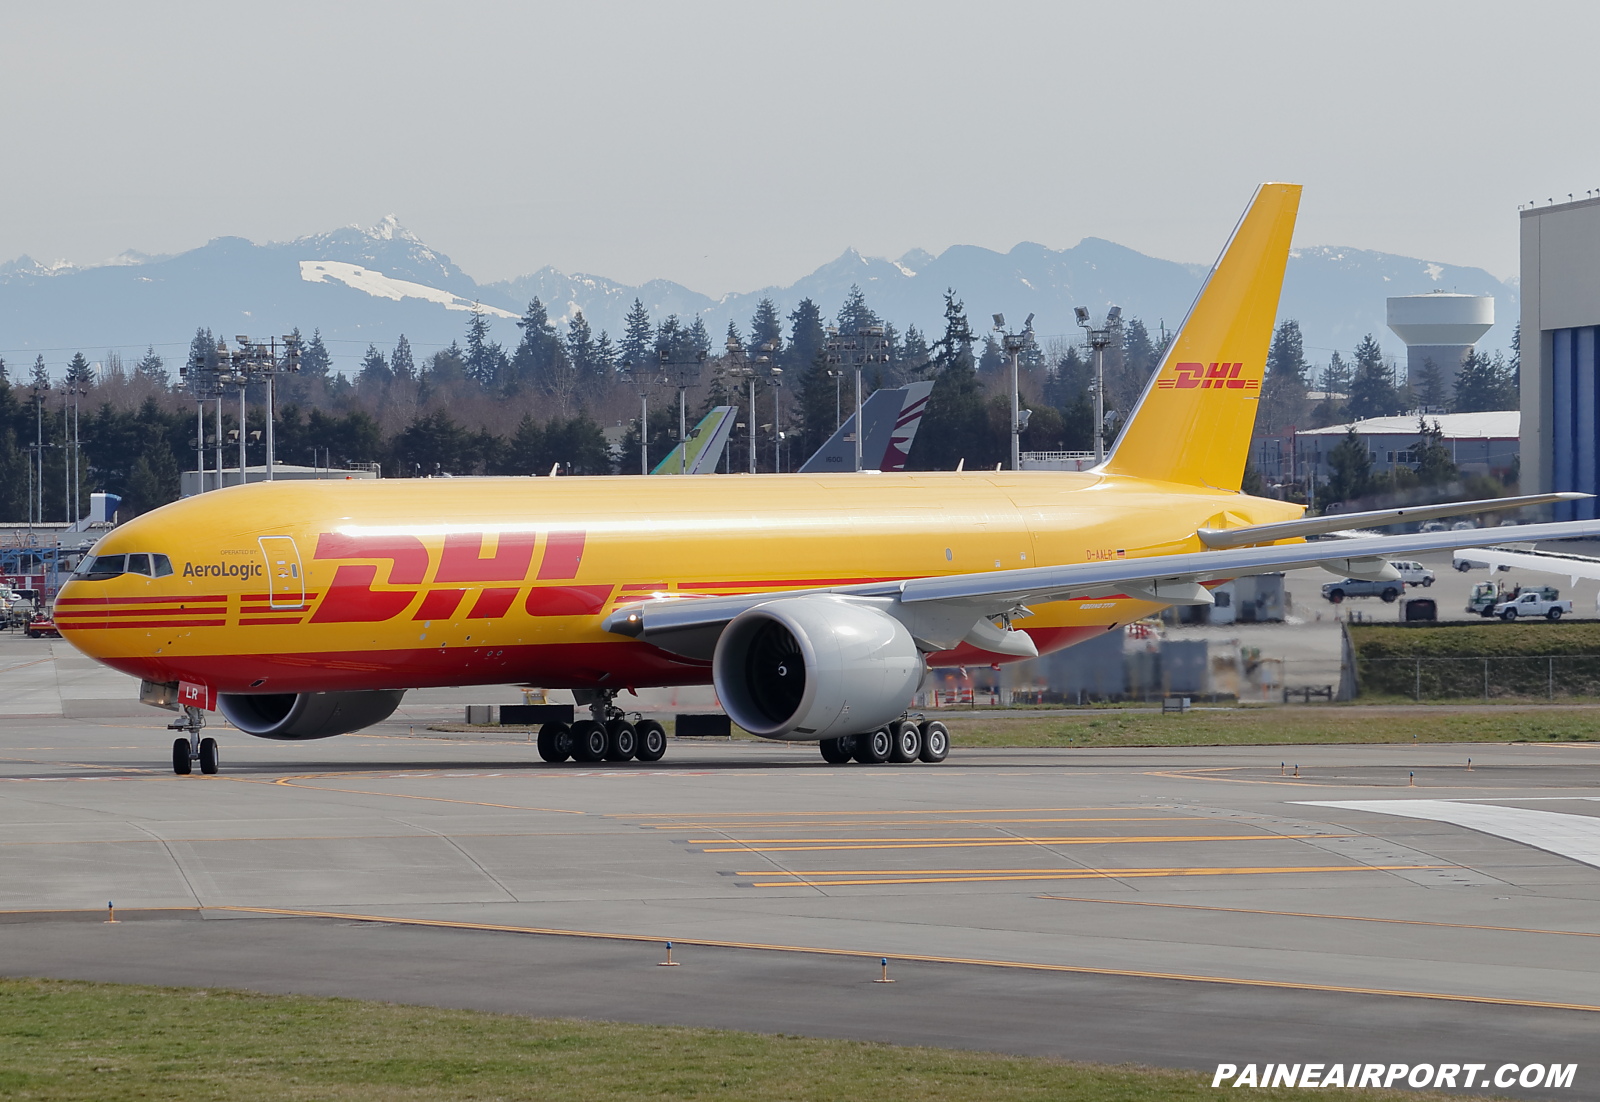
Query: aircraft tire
{"type": "Point", "coordinates": [588, 741]}
{"type": "Point", "coordinates": [209, 759]}
{"type": "Point", "coordinates": [622, 741]}
{"type": "Point", "coordinates": [907, 744]}
{"type": "Point", "coordinates": [555, 742]}
{"type": "Point", "coordinates": [832, 752]}
{"type": "Point", "coordinates": [935, 742]}
{"type": "Point", "coordinates": [847, 747]}
{"type": "Point", "coordinates": [180, 757]}
{"type": "Point", "coordinates": [872, 747]}
{"type": "Point", "coordinates": [652, 740]}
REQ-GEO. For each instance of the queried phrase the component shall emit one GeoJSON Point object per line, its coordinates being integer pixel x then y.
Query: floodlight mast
{"type": "Point", "coordinates": [1014, 343]}
{"type": "Point", "coordinates": [1099, 339]}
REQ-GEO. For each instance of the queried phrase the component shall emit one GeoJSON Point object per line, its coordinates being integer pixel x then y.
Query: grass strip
{"type": "Point", "coordinates": [111, 1042]}
{"type": "Point", "coordinates": [1278, 726]}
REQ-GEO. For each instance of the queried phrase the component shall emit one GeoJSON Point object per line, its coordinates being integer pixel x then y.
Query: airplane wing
{"type": "Point", "coordinates": [942, 611]}
{"type": "Point", "coordinates": [1527, 558]}
{"type": "Point", "coordinates": [1344, 522]}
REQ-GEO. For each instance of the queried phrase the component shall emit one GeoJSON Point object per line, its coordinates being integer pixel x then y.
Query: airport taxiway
{"type": "Point", "coordinates": [1167, 906]}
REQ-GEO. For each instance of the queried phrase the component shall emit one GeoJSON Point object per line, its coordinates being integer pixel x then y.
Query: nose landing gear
{"type": "Point", "coordinates": [186, 751]}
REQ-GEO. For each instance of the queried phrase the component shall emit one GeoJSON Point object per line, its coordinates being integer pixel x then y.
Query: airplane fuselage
{"type": "Point", "coordinates": [320, 586]}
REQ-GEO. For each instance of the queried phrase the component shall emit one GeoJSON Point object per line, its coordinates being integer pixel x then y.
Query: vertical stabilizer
{"type": "Point", "coordinates": [1193, 423]}
{"type": "Point", "coordinates": [705, 444]}
{"type": "Point", "coordinates": [891, 418]}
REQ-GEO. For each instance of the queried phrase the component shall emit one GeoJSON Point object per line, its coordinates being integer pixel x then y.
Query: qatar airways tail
{"type": "Point", "coordinates": [891, 418]}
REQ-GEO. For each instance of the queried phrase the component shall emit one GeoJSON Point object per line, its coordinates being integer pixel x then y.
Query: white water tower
{"type": "Point", "coordinates": [1441, 326]}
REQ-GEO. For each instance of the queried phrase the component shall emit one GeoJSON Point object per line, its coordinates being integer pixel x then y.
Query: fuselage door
{"type": "Point", "coordinates": [286, 582]}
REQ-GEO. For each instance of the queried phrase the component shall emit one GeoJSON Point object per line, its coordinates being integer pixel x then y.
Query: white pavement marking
{"type": "Point", "coordinates": [1574, 836]}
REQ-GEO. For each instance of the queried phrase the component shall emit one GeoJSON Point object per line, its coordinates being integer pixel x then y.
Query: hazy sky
{"type": "Point", "coordinates": [729, 146]}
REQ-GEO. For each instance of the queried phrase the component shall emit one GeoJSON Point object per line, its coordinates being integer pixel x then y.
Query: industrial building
{"type": "Point", "coordinates": [1479, 443]}
{"type": "Point", "coordinates": [1560, 322]}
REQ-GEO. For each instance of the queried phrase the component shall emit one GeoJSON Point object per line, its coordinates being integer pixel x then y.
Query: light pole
{"type": "Point", "coordinates": [679, 372]}
{"type": "Point", "coordinates": [867, 345]}
{"type": "Point", "coordinates": [747, 367]}
{"type": "Point", "coordinates": [1014, 343]}
{"type": "Point", "coordinates": [836, 373]}
{"type": "Point", "coordinates": [1099, 339]}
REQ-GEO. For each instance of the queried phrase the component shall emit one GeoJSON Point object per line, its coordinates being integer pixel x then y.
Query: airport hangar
{"type": "Point", "coordinates": [1560, 351]}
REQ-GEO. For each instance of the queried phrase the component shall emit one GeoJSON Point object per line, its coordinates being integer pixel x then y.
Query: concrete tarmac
{"type": "Point", "coordinates": [1178, 907]}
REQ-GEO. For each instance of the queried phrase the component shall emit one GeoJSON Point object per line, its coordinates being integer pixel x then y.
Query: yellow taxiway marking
{"type": "Point", "coordinates": [1306, 914]}
{"type": "Point", "coordinates": [819, 880]}
{"type": "Point", "coordinates": [723, 815]}
{"type": "Point", "coordinates": [919, 958]}
{"type": "Point", "coordinates": [939, 822]}
{"type": "Point", "coordinates": [756, 845]}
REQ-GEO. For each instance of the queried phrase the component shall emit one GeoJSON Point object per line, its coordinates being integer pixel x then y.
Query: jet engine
{"type": "Point", "coordinates": [815, 667]}
{"type": "Point", "coordinates": [295, 716]}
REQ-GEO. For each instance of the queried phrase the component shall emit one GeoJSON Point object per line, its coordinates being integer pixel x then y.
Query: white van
{"type": "Point", "coordinates": [1412, 573]}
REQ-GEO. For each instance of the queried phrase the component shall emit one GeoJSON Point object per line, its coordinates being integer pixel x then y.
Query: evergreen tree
{"type": "Point", "coordinates": [915, 351]}
{"type": "Point", "coordinates": [580, 348]}
{"type": "Point", "coordinates": [484, 356]}
{"type": "Point", "coordinates": [806, 337]}
{"type": "Point", "coordinates": [41, 374]}
{"type": "Point", "coordinates": [80, 373]}
{"type": "Point", "coordinates": [1336, 376]}
{"type": "Point", "coordinates": [1516, 357]}
{"type": "Point", "coordinates": [766, 326]}
{"type": "Point", "coordinates": [1351, 467]}
{"type": "Point", "coordinates": [539, 361]}
{"type": "Point", "coordinates": [375, 371]}
{"type": "Point", "coordinates": [638, 335]}
{"type": "Point", "coordinates": [401, 363]}
{"type": "Point", "coordinates": [1283, 390]}
{"type": "Point", "coordinates": [821, 405]}
{"type": "Point", "coordinates": [854, 315]}
{"type": "Point", "coordinates": [525, 452]}
{"type": "Point", "coordinates": [605, 359]}
{"type": "Point", "coordinates": [699, 337]}
{"type": "Point", "coordinates": [993, 357]}
{"type": "Point", "coordinates": [315, 360]}
{"type": "Point", "coordinates": [203, 352]}
{"type": "Point", "coordinates": [152, 367]}
{"type": "Point", "coordinates": [956, 426]}
{"type": "Point", "coordinates": [1372, 392]}
{"type": "Point", "coordinates": [5, 373]}
{"type": "Point", "coordinates": [1434, 467]}
{"type": "Point", "coordinates": [1486, 384]}
{"type": "Point", "coordinates": [1428, 388]}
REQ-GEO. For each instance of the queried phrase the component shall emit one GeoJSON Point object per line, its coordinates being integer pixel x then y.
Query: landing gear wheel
{"type": "Point", "coordinates": [907, 745]}
{"type": "Point", "coordinates": [652, 740]}
{"type": "Point", "coordinates": [832, 752]}
{"type": "Point", "coordinates": [621, 740]}
{"type": "Point", "coordinates": [873, 747]}
{"type": "Point", "coordinates": [555, 742]}
{"type": "Point", "coordinates": [180, 757]}
{"type": "Point", "coordinates": [935, 741]}
{"type": "Point", "coordinates": [208, 756]}
{"type": "Point", "coordinates": [1553, 614]}
{"type": "Point", "coordinates": [846, 745]}
{"type": "Point", "coordinates": [588, 741]}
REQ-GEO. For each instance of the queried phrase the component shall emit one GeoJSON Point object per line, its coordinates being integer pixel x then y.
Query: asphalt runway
{"type": "Point", "coordinates": [1178, 907]}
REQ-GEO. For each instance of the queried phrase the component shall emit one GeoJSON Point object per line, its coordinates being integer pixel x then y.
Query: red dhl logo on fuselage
{"type": "Point", "coordinates": [351, 598]}
{"type": "Point", "coordinates": [1187, 376]}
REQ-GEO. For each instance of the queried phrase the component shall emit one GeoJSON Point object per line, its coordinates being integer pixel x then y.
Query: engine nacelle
{"type": "Point", "coordinates": [307, 715]}
{"type": "Point", "coordinates": [815, 667]}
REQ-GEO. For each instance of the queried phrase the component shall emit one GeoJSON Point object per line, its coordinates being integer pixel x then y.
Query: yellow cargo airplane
{"type": "Point", "coordinates": [814, 603]}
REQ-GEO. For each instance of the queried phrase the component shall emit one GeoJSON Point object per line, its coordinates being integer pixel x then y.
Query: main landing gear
{"type": "Point", "coordinates": [902, 742]}
{"type": "Point", "coordinates": [606, 736]}
{"type": "Point", "coordinates": [187, 751]}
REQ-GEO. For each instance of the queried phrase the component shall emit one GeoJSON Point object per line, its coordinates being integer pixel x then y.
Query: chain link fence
{"type": "Point", "coordinates": [1547, 677]}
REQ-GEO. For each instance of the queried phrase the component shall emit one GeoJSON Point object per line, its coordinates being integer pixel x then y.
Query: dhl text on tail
{"type": "Point", "coordinates": [814, 602]}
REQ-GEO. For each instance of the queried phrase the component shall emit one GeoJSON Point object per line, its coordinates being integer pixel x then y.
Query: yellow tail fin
{"type": "Point", "coordinates": [1193, 423]}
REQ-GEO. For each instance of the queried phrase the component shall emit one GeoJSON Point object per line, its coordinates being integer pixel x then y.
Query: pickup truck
{"type": "Point", "coordinates": [1533, 602]}
{"type": "Point", "coordinates": [1354, 587]}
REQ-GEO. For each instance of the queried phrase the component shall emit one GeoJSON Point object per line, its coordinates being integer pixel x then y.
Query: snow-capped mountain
{"type": "Point", "coordinates": [370, 285]}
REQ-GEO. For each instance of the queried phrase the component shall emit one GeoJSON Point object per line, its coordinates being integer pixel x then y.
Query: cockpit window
{"type": "Point", "coordinates": [99, 568]}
